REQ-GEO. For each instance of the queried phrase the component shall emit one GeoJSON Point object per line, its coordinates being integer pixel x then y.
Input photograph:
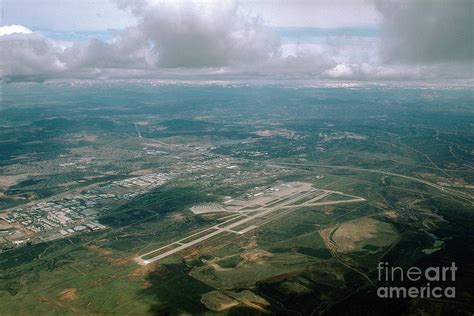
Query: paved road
{"type": "Point", "coordinates": [459, 194]}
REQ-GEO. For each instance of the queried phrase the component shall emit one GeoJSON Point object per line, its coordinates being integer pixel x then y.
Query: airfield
{"type": "Point", "coordinates": [230, 200]}
{"type": "Point", "coordinates": [242, 216]}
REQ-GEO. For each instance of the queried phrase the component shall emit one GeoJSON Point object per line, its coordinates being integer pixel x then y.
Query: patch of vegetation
{"type": "Point", "coordinates": [154, 204]}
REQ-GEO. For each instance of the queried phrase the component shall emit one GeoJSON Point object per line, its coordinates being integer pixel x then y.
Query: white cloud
{"type": "Point", "coordinates": [364, 71]}
{"type": "Point", "coordinates": [28, 54]}
{"type": "Point", "coordinates": [14, 29]}
{"type": "Point", "coordinates": [203, 34]}
{"type": "Point", "coordinates": [128, 49]}
{"type": "Point", "coordinates": [340, 71]}
{"type": "Point", "coordinates": [221, 40]}
{"type": "Point", "coordinates": [423, 31]}
{"type": "Point", "coordinates": [167, 36]}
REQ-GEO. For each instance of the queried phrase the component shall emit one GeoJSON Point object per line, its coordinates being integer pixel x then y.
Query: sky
{"type": "Point", "coordinates": [362, 40]}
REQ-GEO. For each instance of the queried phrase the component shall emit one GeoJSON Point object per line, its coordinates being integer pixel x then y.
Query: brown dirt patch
{"type": "Point", "coordinates": [100, 251]}
{"type": "Point", "coordinates": [19, 231]}
{"type": "Point", "coordinates": [4, 225]}
{"type": "Point", "coordinates": [217, 267]}
{"type": "Point", "coordinates": [107, 255]}
{"type": "Point", "coordinates": [390, 214]}
{"type": "Point", "coordinates": [8, 181]}
{"type": "Point", "coordinates": [265, 133]}
{"type": "Point", "coordinates": [353, 235]}
{"type": "Point", "coordinates": [220, 301]}
{"type": "Point", "coordinates": [121, 261]}
{"type": "Point", "coordinates": [177, 216]}
{"type": "Point", "coordinates": [255, 255]}
{"type": "Point", "coordinates": [279, 132]}
{"type": "Point", "coordinates": [325, 233]}
{"type": "Point", "coordinates": [47, 300]}
{"type": "Point", "coordinates": [251, 244]}
{"type": "Point", "coordinates": [281, 277]}
{"type": "Point", "coordinates": [85, 137]}
{"type": "Point", "coordinates": [68, 294]}
{"type": "Point", "coordinates": [142, 172]}
{"type": "Point", "coordinates": [44, 299]}
{"type": "Point", "coordinates": [144, 270]}
{"type": "Point", "coordinates": [191, 254]}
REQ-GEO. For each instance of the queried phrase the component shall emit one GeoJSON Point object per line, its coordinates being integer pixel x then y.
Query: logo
{"type": "Point", "coordinates": [431, 278]}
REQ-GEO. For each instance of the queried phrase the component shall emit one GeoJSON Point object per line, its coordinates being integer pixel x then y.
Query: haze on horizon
{"type": "Point", "coordinates": [364, 40]}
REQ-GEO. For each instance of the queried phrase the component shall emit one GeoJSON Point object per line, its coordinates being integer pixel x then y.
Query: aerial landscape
{"type": "Point", "coordinates": [184, 191]}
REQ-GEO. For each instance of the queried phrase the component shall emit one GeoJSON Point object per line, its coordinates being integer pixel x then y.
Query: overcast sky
{"type": "Point", "coordinates": [100, 15]}
{"type": "Point", "coordinates": [345, 40]}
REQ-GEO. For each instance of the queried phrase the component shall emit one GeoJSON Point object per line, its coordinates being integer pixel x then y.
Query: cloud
{"type": "Point", "coordinates": [203, 34]}
{"type": "Point", "coordinates": [366, 71]}
{"type": "Point", "coordinates": [190, 35]}
{"type": "Point", "coordinates": [422, 31]}
{"type": "Point", "coordinates": [14, 29]}
{"type": "Point", "coordinates": [128, 49]}
{"type": "Point", "coordinates": [28, 54]}
{"type": "Point", "coordinates": [221, 40]}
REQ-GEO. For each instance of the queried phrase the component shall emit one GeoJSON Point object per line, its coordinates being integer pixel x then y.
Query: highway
{"type": "Point", "coordinates": [456, 193]}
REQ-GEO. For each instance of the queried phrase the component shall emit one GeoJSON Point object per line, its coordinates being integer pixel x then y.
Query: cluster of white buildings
{"type": "Point", "coordinates": [74, 214]}
{"type": "Point", "coordinates": [149, 181]}
{"type": "Point", "coordinates": [196, 166]}
{"type": "Point", "coordinates": [68, 215]}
